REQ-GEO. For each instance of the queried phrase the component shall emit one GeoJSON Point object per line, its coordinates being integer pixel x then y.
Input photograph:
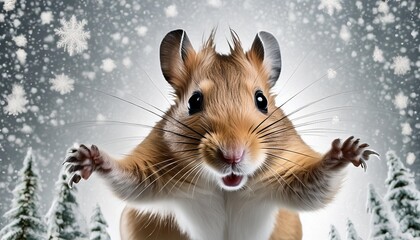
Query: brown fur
{"type": "Point", "coordinates": [227, 81]}
{"type": "Point", "coordinates": [169, 162]}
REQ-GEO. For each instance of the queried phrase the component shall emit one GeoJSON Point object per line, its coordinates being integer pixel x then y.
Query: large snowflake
{"type": "Point", "coordinates": [73, 37]}
{"type": "Point", "coordinates": [401, 65]}
{"type": "Point", "coordinates": [16, 101]}
{"type": "Point", "coordinates": [62, 84]}
{"type": "Point", "coordinates": [330, 6]}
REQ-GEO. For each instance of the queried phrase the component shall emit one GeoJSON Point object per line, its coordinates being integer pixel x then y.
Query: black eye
{"type": "Point", "coordinates": [261, 101]}
{"type": "Point", "coordinates": [195, 103]}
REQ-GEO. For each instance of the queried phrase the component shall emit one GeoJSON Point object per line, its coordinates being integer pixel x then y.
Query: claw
{"type": "Point", "coordinates": [364, 145]}
{"type": "Point", "coordinates": [356, 142]}
{"type": "Point", "coordinates": [363, 164]}
{"type": "Point", "coordinates": [72, 150]}
{"type": "Point", "coordinates": [347, 144]}
{"type": "Point", "coordinates": [70, 159]}
{"type": "Point", "coordinates": [368, 152]}
{"type": "Point", "coordinates": [74, 178]}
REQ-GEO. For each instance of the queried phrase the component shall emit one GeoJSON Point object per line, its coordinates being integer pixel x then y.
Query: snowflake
{"type": "Point", "coordinates": [414, 33]}
{"type": "Point", "coordinates": [401, 65]}
{"type": "Point", "coordinates": [20, 40]}
{"type": "Point", "coordinates": [383, 7]}
{"type": "Point", "coordinates": [62, 84]}
{"type": "Point", "coordinates": [108, 65]}
{"type": "Point", "coordinates": [345, 33]}
{"type": "Point", "coordinates": [171, 11]}
{"type": "Point", "coordinates": [141, 31]}
{"type": "Point", "coordinates": [46, 17]}
{"type": "Point", "coordinates": [21, 56]}
{"type": "Point", "coordinates": [378, 55]}
{"type": "Point", "coordinates": [410, 158]}
{"type": "Point", "coordinates": [330, 6]}
{"type": "Point", "coordinates": [401, 101]}
{"type": "Point", "coordinates": [127, 62]}
{"type": "Point", "coordinates": [9, 5]}
{"type": "Point", "coordinates": [16, 101]}
{"type": "Point", "coordinates": [215, 3]}
{"type": "Point", "coordinates": [331, 73]}
{"type": "Point", "coordinates": [2, 17]}
{"type": "Point", "coordinates": [406, 129]}
{"type": "Point", "coordinates": [73, 38]}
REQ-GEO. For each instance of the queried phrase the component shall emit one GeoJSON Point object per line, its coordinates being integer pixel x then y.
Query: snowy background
{"type": "Point", "coordinates": [361, 56]}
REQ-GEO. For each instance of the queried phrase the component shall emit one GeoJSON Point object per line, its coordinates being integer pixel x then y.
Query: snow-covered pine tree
{"type": "Point", "coordinates": [64, 218]}
{"type": "Point", "coordinates": [351, 231]}
{"type": "Point", "coordinates": [403, 196]}
{"type": "Point", "coordinates": [381, 227]}
{"type": "Point", "coordinates": [334, 235]}
{"type": "Point", "coordinates": [23, 218]}
{"type": "Point", "coordinates": [98, 225]}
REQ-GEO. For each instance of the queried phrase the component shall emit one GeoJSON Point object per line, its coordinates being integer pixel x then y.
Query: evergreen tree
{"type": "Point", "coordinates": [334, 235]}
{"type": "Point", "coordinates": [98, 226]}
{"type": "Point", "coordinates": [23, 218]}
{"type": "Point", "coordinates": [64, 218]}
{"type": "Point", "coordinates": [351, 231]}
{"type": "Point", "coordinates": [381, 226]}
{"type": "Point", "coordinates": [403, 196]}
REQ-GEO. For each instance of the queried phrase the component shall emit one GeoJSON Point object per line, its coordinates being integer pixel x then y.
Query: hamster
{"type": "Point", "coordinates": [224, 162]}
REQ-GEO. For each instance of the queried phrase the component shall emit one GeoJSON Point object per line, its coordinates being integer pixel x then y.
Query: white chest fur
{"type": "Point", "coordinates": [218, 215]}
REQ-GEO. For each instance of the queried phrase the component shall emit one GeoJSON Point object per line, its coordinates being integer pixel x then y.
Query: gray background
{"type": "Point", "coordinates": [310, 43]}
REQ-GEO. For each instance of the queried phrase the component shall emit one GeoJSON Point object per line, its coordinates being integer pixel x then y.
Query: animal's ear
{"type": "Point", "coordinates": [266, 49]}
{"type": "Point", "coordinates": [175, 50]}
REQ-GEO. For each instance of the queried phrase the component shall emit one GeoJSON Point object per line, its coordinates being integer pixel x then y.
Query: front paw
{"type": "Point", "coordinates": [350, 151]}
{"type": "Point", "coordinates": [81, 162]}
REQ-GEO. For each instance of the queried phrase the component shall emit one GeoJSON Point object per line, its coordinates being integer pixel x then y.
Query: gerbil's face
{"type": "Point", "coordinates": [224, 103]}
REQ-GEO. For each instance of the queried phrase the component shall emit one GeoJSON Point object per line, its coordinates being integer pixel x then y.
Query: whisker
{"type": "Point", "coordinates": [285, 159]}
{"type": "Point", "coordinates": [287, 150]}
{"type": "Point", "coordinates": [285, 129]}
{"type": "Point", "coordinates": [145, 109]}
{"type": "Point", "coordinates": [294, 71]}
{"type": "Point", "coordinates": [154, 84]}
{"type": "Point", "coordinates": [185, 176]}
{"type": "Point", "coordinates": [301, 108]}
{"type": "Point", "coordinates": [288, 100]}
{"type": "Point", "coordinates": [186, 166]}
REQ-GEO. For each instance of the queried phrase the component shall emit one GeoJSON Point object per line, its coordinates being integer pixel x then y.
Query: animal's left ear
{"type": "Point", "coordinates": [266, 49]}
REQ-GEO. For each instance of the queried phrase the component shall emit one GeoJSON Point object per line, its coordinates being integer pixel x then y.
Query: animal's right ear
{"type": "Point", "coordinates": [175, 51]}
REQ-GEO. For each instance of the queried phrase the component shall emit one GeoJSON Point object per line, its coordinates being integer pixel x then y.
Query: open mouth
{"type": "Point", "coordinates": [232, 180]}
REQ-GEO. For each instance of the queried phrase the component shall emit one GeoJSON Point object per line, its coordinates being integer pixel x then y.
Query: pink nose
{"type": "Point", "coordinates": [232, 156]}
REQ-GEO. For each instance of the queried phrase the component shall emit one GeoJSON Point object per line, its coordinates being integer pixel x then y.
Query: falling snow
{"type": "Point", "coordinates": [16, 101]}
{"type": "Point", "coordinates": [47, 17]}
{"type": "Point", "coordinates": [401, 101]}
{"type": "Point", "coordinates": [62, 84]}
{"type": "Point", "coordinates": [330, 6]}
{"type": "Point", "coordinates": [171, 11]}
{"type": "Point", "coordinates": [127, 62]}
{"type": "Point", "coordinates": [73, 37]}
{"type": "Point", "coordinates": [378, 55]}
{"type": "Point", "coordinates": [372, 45]}
{"type": "Point", "coordinates": [9, 5]}
{"type": "Point", "coordinates": [108, 65]}
{"type": "Point", "coordinates": [331, 73]}
{"type": "Point", "coordinates": [410, 158]}
{"type": "Point", "coordinates": [20, 41]}
{"type": "Point", "coordinates": [345, 34]}
{"type": "Point", "coordinates": [215, 3]}
{"type": "Point", "coordinates": [21, 56]}
{"type": "Point", "coordinates": [141, 31]}
{"type": "Point", "coordinates": [401, 65]}
{"type": "Point", "coordinates": [406, 129]}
